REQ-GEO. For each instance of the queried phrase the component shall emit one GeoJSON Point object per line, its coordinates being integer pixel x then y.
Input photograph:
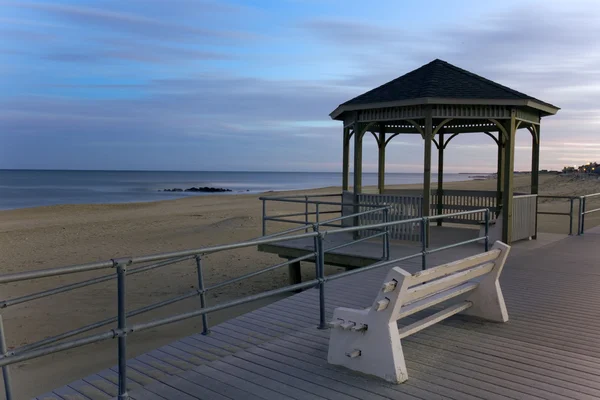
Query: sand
{"type": "Point", "coordinates": [45, 237]}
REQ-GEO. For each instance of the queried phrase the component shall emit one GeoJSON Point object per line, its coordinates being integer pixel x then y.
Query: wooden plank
{"type": "Point", "coordinates": [504, 384]}
{"type": "Point", "coordinates": [433, 319]}
{"type": "Point", "coordinates": [289, 380]}
{"type": "Point", "coordinates": [153, 362]}
{"type": "Point", "coordinates": [194, 354]}
{"type": "Point", "coordinates": [54, 396]}
{"type": "Point", "coordinates": [516, 353]}
{"type": "Point", "coordinates": [184, 355]}
{"type": "Point", "coordinates": [250, 376]}
{"type": "Point", "coordinates": [143, 394]}
{"type": "Point", "coordinates": [534, 377]}
{"type": "Point", "coordinates": [342, 391]}
{"type": "Point", "coordinates": [173, 387]}
{"type": "Point", "coordinates": [315, 360]}
{"type": "Point", "coordinates": [174, 393]}
{"type": "Point", "coordinates": [170, 360]}
{"type": "Point", "coordinates": [447, 269]}
{"type": "Point", "coordinates": [430, 388]}
{"type": "Point", "coordinates": [228, 391]}
{"type": "Point", "coordinates": [427, 289]}
{"type": "Point", "coordinates": [212, 343]}
{"type": "Point", "coordinates": [88, 390]}
{"type": "Point", "coordinates": [102, 384]}
{"type": "Point", "coordinates": [455, 382]}
{"type": "Point", "coordinates": [113, 377]}
{"type": "Point", "coordinates": [65, 392]}
{"type": "Point", "coordinates": [146, 370]}
{"type": "Point", "coordinates": [234, 387]}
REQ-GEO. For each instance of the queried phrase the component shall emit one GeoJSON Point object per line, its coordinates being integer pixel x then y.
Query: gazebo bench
{"type": "Point", "coordinates": [369, 341]}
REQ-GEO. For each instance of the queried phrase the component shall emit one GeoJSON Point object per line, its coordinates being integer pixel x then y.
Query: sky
{"type": "Point", "coordinates": [249, 85]}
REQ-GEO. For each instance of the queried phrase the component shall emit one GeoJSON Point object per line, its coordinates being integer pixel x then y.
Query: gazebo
{"type": "Point", "coordinates": [440, 101]}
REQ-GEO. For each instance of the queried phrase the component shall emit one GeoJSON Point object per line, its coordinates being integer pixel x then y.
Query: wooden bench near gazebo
{"type": "Point", "coordinates": [440, 101]}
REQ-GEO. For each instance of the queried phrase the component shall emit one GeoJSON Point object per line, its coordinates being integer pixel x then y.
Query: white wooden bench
{"type": "Point", "coordinates": [369, 340]}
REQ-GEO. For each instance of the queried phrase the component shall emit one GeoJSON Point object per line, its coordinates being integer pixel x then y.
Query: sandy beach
{"type": "Point", "coordinates": [45, 237]}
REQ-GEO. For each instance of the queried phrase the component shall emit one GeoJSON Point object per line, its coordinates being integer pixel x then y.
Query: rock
{"type": "Point", "coordinates": [204, 189]}
{"type": "Point", "coordinates": [207, 189]}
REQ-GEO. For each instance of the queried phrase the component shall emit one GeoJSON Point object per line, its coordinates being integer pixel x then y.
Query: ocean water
{"type": "Point", "coordinates": [33, 188]}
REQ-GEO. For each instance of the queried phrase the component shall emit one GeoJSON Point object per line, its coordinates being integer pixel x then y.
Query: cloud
{"type": "Point", "coordinates": [133, 23]}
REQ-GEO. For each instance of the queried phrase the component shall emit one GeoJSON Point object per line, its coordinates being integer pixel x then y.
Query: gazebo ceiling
{"type": "Point", "coordinates": [451, 91]}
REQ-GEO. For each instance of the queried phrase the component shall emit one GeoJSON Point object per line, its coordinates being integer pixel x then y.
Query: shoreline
{"type": "Point", "coordinates": [185, 197]}
{"type": "Point", "coordinates": [28, 189]}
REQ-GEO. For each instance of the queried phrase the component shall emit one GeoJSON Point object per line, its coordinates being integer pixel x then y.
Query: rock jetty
{"type": "Point", "coordinates": [204, 189]}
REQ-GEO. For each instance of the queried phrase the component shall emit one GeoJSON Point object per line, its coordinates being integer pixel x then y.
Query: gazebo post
{"type": "Point", "coordinates": [427, 168]}
{"type": "Point", "coordinates": [535, 166]}
{"type": "Point", "coordinates": [346, 159]}
{"type": "Point", "coordinates": [381, 164]}
{"type": "Point", "coordinates": [440, 186]}
{"type": "Point", "coordinates": [357, 188]}
{"type": "Point", "coordinates": [535, 160]}
{"type": "Point", "coordinates": [500, 173]}
{"type": "Point", "coordinates": [509, 166]}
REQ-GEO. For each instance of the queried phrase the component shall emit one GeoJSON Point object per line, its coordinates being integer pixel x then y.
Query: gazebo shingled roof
{"type": "Point", "coordinates": [441, 80]}
{"type": "Point", "coordinates": [440, 99]}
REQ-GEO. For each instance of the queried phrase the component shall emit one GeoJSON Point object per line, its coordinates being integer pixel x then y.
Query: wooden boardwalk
{"type": "Point", "coordinates": [548, 350]}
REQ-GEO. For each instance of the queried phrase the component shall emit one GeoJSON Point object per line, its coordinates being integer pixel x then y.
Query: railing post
{"type": "Point", "coordinates": [5, 369]}
{"type": "Point", "coordinates": [321, 277]}
{"type": "Point", "coordinates": [122, 327]}
{"type": "Point", "coordinates": [579, 216]}
{"type": "Point", "coordinates": [487, 229]}
{"type": "Point", "coordinates": [583, 216]}
{"type": "Point", "coordinates": [423, 244]}
{"type": "Point", "coordinates": [571, 217]}
{"type": "Point", "coordinates": [306, 213]}
{"type": "Point", "coordinates": [202, 294]}
{"type": "Point", "coordinates": [386, 237]}
{"type": "Point", "coordinates": [264, 218]}
{"type": "Point", "coordinates": [317, 213]}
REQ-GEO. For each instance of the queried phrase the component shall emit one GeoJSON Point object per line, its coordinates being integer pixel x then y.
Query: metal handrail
{"type": "Point", "coordinates": [304, 199]}
{"type": "Point", "coordinates": [583, 211]}
{"type": "Point", "coordinates": [569, 214]}
{"type": "Point", "coordinates": [21, 354]}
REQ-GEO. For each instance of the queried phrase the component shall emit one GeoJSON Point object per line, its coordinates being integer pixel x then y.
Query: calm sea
{"type": "Point", "coordinates": [32, 188]}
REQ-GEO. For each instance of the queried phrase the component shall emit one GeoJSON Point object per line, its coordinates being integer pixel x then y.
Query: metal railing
{"type": "Point", "coordinates": [121, 265]}
{"type": "Point", "coordinates": [307, 213]}
{"type": "Point", "coordinates": [570, 214]}
{"type": "Point", "coordinates": [583, 211]}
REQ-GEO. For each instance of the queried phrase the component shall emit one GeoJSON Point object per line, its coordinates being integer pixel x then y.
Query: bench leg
{"type": "Point", "coordinates": [487, 299]}
{"type": "Point", "coordinates": [375, 352]}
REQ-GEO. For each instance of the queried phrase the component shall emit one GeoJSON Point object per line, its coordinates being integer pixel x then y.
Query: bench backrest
{"type": "Point", "coordinates": [404, 294]}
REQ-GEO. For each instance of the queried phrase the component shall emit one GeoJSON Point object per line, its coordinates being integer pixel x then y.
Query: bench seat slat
{"type": "Point", "coordinates": [419, 292]}
{"type": "Point", "coordinates": [433, 319]}
{"type": "Point", "coordinates": [438, 298]}
{"type": "Point", "coordinates": [453, 267]}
